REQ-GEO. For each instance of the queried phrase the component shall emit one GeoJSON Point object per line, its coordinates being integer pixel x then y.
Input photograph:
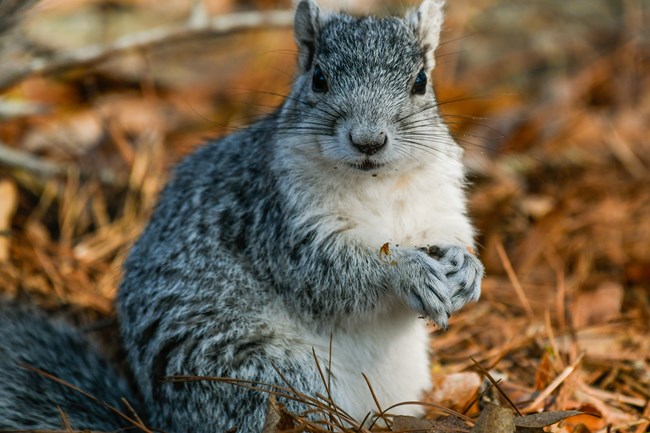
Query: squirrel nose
{"type": "Point", "coordinates": [368, 142]}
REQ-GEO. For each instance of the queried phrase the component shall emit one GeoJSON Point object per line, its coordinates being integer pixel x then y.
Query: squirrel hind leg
{"type": "Point", "coordinates": [205, 406]}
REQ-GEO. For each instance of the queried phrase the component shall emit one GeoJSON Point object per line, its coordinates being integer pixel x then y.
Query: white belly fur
{"type": "Point", "coordinates": [391, 350]}
{"type": "Point", "coordinates": [424, 207]}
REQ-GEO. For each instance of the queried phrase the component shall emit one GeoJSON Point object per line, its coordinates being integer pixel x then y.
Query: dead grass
{"type": "Point", "coordinates": [551, 104]}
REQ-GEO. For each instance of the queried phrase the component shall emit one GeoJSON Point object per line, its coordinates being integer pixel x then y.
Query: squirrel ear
{"type": "Point", "coordinates": [306, 25]}
{"type": "Point", "coordinates": [427, 22]}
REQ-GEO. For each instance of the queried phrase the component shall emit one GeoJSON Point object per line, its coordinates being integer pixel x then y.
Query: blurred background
{"type": "Point", "coordinates": [549, 98]}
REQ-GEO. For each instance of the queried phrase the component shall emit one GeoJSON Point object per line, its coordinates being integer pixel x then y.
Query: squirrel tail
{"type": "Point", "coordinates": [48, 373]}
{"type": "Point", "coordinates": [11, 12]}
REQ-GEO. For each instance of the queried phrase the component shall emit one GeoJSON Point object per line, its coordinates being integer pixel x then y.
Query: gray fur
{"type": "Point", "coordinates": [250, 252]}
{"type": "Point", "coordinates": [29, 400]}
{"type": "Point", "coordinates": [229, 247]}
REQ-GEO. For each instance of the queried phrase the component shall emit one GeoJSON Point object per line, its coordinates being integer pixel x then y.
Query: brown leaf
{"type": "Point", "coordinates": [495, 419]}
{"type": "Point", "coordinates": [545, 374]}
{"type": "Point", "coordinates": [412, 424]}
{"type": "Point", "coordinates": [581, 428]}
{"type": "Point", "coordinates": [272, 418]}
{"type": "Point", "coordinates": [590, 420]}
{"type": "Point", "coordinates": [544, 419]}
{"type": "Point", "coordinates": [456, 390]}
{"type": "Point", "coordinates": [598, 306]}
{"type": "Point", "coordinates": [448, 424]}
{"type": "Point", "coordinates": [70, 135]}
{"type": "Point", "coordinates": [8, 203]}
{"type": "Point", "coordinates": [277, 418]}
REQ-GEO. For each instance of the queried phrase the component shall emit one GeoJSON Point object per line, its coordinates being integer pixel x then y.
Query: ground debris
{"type": "Point", "coordinates": [550, 102]}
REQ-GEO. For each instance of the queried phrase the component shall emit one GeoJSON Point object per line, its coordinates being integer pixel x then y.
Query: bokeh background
{"type": "Point", "coordinates": [549, 98]}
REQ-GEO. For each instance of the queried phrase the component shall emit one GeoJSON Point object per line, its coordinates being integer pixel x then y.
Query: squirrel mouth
{"type": "Point", "coordinates": [366, 165]}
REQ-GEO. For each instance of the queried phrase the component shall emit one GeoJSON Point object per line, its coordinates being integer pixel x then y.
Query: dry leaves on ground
{"type": "Point", "coordinates": [551, 103]}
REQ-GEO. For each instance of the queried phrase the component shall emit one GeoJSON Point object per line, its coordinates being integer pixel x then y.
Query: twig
{"type": "Point", "coordinates": [92, 54]}
{"type": "Point", "coordinates": [625, 155]}
{"type": "Point", "coordinates": [19, 159]}
{"type": "Point", "coordinates": [496, 385]}
{"type": "Point", "coordinates": [64, 420]}
{"type": "Point", "coordinates": [25, 161]}
{"type": "Point", "coordinates": [381, 414]}
{"type": "Point", "coordinates": [645, 425]}
{"type": "Point", "coordinates": [326, 382]}
{"type": "Point", "coordinates": [286, 392]}
{"type": "Point", "coordinates": [553, 385]}
{"type": "Point", "coordinates": [10, 109]}
{"type": "Point", "coordinates": [134, 422]}
{"type": "Point", "coordinates": [613, 397]}
{"type": "Point", "coordinates": [519, 290]}
{"type": "Point", "coordinates": [431, 405]}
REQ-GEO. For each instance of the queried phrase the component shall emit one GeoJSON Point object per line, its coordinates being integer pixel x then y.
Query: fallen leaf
{"type": "Point", "coordinates": [581, 428]}
{"type": "Point", "coordinates": [71, 135]}
{"type": "Point", "coordinates": [495, 419]}
{"type": "Point", "coordinates": [448, 424]}
{"type": "Point", "coordinates": [277, 418]}
{"type": "Point", "coordinates": [455, 391]}
{"type": "Point", "coordinates": [589, 420]}
{"type": "Point", "coordinates": [8, 203]}
{"type": "Point", "coordinates": [537, 206]}
{"type": "Point", "coordinates": [545, 374]}
{"type": "Point", "coordinates": [412, 424]}
{"type": "Point", "coordinates": [544, 419]}
{"type": "Point", "coordinates": [599, 306]}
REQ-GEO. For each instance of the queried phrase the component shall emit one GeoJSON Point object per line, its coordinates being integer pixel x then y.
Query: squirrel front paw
{"type": "Point", "coordinates": [463, 271]}
{"type": "Point", "coordinates": [426, 288]}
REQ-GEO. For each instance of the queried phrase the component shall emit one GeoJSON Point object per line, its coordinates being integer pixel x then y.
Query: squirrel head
{"type": "Point", "coordinates": [363, 97]}
{"type": "Point", "coordinates": [425, 23]}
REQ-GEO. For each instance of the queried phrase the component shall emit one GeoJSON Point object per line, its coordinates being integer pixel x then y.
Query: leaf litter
{"type": "Point", "coordinates": [552, 105]}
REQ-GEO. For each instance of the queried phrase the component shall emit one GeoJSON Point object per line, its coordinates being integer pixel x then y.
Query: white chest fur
{"type": "Point", "coordinates": [421, 203]}
{"type": "Point", "coordinates": [422, 207]}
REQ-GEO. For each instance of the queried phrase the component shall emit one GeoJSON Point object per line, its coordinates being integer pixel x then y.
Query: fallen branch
{"type": "Point", "coordinates": [93, 54]}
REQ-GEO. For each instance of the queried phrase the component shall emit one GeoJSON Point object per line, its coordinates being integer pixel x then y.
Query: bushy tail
{"type": "Point", "coordinates": [51, 377]}
{"type": "Point", "coordinates": [11, 11]}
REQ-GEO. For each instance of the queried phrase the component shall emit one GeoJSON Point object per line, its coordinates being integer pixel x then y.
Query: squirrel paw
{"type": "Point", "coordinates": [464, 273]}
{"type": "Point", "coordinates": [429, 293]}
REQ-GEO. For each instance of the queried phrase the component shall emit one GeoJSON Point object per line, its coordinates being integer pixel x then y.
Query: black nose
{"type": "Point", "coordinates": [369, 143]}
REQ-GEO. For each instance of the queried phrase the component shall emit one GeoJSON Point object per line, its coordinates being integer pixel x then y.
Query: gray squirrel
{"type": "Point", "coordinates": [341, 217]}
{"type": "Point", "coordinates": [34, 349]}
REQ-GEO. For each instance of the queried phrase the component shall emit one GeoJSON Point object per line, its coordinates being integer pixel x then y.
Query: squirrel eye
{"type": "Point", "coordinates": [318, 81]}
{"type": "Point", "coordinates": [420, 85]}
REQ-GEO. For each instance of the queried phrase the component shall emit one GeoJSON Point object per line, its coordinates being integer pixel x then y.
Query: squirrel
{"type": "Point", "coordinates": [41, 360]}
{"type": "Point", "coordinates": [330, 228]}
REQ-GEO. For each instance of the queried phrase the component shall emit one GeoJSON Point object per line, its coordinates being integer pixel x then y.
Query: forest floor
{"type": "Point", "coordinates": [550, 99]}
